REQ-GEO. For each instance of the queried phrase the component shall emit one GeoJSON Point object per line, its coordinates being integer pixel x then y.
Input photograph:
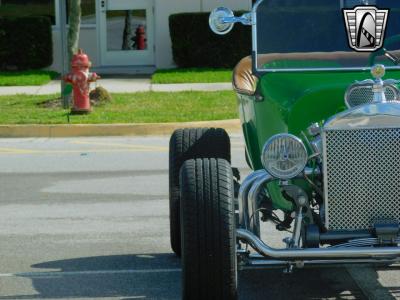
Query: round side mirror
{"type": "Point", "coordinates": [216, 20]}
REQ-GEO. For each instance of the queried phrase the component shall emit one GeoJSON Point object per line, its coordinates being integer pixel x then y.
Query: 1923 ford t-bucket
{"type": "Point", "coordinates": [322, 138]}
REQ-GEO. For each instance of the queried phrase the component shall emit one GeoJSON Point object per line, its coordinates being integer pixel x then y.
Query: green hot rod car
{"type": "Point", "coordinates": [321, 122]}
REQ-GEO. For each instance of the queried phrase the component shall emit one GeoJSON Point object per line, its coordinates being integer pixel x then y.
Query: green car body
{"type": "Point", "coordinates": [289, 103]}
{"type": "Point", "coordinates": [319, 74]}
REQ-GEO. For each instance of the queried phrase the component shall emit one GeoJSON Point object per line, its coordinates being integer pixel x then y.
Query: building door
{"type": "Point", "coordinates": [119, 22]}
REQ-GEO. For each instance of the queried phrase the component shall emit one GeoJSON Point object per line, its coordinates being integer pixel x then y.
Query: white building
{"type": "Point", "coordinates": [104, 22]}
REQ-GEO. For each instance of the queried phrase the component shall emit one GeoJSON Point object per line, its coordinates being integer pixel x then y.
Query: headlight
{"type": "Point", "coordinates": [284, 156]}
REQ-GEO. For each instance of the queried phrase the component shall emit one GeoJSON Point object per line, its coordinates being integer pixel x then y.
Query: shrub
{"type": "Point", "coordinates": [195, 45]}
{"type": "Point", "coordinates": [99, 96]}
{"type": "Point", "coordinates": [25, 43]}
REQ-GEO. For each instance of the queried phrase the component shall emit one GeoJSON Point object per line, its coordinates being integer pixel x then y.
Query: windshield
{"type": "Point", "coordinates": [298, 35]}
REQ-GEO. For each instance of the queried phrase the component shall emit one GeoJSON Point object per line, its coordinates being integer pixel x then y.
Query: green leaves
{"type": "Point", "coordinates": [67, 90]}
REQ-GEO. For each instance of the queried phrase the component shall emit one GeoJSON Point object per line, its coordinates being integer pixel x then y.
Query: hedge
{"type": "Point", "coordinates": [195, 45]}
{"type": "Point", "coordinates": [25, 43]}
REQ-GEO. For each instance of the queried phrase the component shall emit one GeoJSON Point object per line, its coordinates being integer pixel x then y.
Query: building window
{"type": "Point", "coordinates": [88, 8]}
{"type": "Point", "coordinates": [121, 29]}
{"type": "Point", "coordinates": [28, 8]}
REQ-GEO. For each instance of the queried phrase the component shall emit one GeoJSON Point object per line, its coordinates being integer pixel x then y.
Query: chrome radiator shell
{"type": "Point", "coordinates": [361, 153]}
{"type": "Point", "coordinates": [359, 94]}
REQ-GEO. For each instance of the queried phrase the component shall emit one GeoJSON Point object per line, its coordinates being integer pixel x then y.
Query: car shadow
{"type": "Point", "coordinates": [158, 276]}
{"type": "Point", "coordinates": [141, 276]}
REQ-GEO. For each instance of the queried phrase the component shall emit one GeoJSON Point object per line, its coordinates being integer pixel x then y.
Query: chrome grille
{"type": "Point", "coordinates": [362, 177]}
{"type": "Point", "coordinates": [363, 94]}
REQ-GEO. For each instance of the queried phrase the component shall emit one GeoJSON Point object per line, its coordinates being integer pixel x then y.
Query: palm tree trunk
{"type": "Point", "coordinates": [74, 26]}
{"type": "Point", "coordinates": [127, 36]}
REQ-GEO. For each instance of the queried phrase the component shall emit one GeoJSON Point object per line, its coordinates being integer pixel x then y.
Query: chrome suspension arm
{"type": "Point", "coordinates": [248, 194]}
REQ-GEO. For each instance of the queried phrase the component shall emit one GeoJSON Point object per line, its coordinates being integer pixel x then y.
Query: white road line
{"type": "Point", "coordinates": [77, 273]}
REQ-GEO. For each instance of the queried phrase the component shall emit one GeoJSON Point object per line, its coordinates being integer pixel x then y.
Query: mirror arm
{"type": "Point", "coordinates": [222, 20]}
{"type": "Point", "coordinates": [244, 19]}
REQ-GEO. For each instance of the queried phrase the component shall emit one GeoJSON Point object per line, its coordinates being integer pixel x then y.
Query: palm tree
{"type": "Point", "coordinates": [75, 13]}
{"type": "Point", "coordinates": [127, 35]}
{"type": "Point", "coordinates": [74, 20]}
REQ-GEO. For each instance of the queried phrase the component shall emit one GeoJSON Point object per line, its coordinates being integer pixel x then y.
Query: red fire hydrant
{"type": "Point", "coordinates": [80, 78]}
{"type": "Point", "coordinates": [140, 38]}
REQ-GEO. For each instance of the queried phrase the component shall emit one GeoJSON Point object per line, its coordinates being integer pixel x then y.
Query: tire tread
{"type": "Point", "coordinates": [208, 230]}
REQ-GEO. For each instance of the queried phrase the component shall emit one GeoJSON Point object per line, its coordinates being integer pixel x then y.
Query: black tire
{"type": "Point", "coordinates": [209, 267]}
{"type": "Point", "coordinates": [189, 144]}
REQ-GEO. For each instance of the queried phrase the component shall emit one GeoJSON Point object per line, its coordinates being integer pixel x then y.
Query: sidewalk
{"type": "Point", "coordinates": [119, 85]}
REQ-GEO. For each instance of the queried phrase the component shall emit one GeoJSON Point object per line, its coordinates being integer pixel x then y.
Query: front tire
{"type": "Point", "coordinates": [190, 143]}
{"type": "Point", "coordinates": [208, 230]}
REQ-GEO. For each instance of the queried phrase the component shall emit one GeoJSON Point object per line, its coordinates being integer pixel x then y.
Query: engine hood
{"type": "Point", "coordinates": [369, 116]}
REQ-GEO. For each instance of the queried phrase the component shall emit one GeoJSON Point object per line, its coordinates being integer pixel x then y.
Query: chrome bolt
{"type": "Point", "coordinates": [302, 201]}
{"type": "Point", "coordinates": [314, 129]}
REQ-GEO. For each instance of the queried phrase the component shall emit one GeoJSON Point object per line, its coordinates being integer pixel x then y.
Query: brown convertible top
{"type": "Point", "coordinates": [245, 82]}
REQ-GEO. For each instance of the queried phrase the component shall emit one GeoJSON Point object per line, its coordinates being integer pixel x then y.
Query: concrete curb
{"type": "Point", "coordinates": [136, 129]}
{"type": "Point", "coordinates": [119, 86]}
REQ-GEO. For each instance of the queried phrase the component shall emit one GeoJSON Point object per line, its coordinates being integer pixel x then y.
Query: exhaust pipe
{"type": "Point", "coordinates": [319, 253]}
{"type": "Point", "coordinates": [244, 219]}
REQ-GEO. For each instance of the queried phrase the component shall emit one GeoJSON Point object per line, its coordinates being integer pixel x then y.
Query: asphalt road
{"type": "Point", "coordinates": [87, 218]}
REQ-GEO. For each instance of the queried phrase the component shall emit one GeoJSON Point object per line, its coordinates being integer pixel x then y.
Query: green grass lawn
{"type": "Point", "coordinates": [192, 75]}
{"type": "Point", "coordinates": [125, 108]}
{"type": "Point", "coordinates": [34, 77]}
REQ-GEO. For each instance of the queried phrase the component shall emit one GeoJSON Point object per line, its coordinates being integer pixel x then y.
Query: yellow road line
{"type": "Point", "coordinates": [5, 151]}
{"type": "Point", "coordinates": [119, 145]}
{"type": "Point", "coordinates": [16, 151]}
